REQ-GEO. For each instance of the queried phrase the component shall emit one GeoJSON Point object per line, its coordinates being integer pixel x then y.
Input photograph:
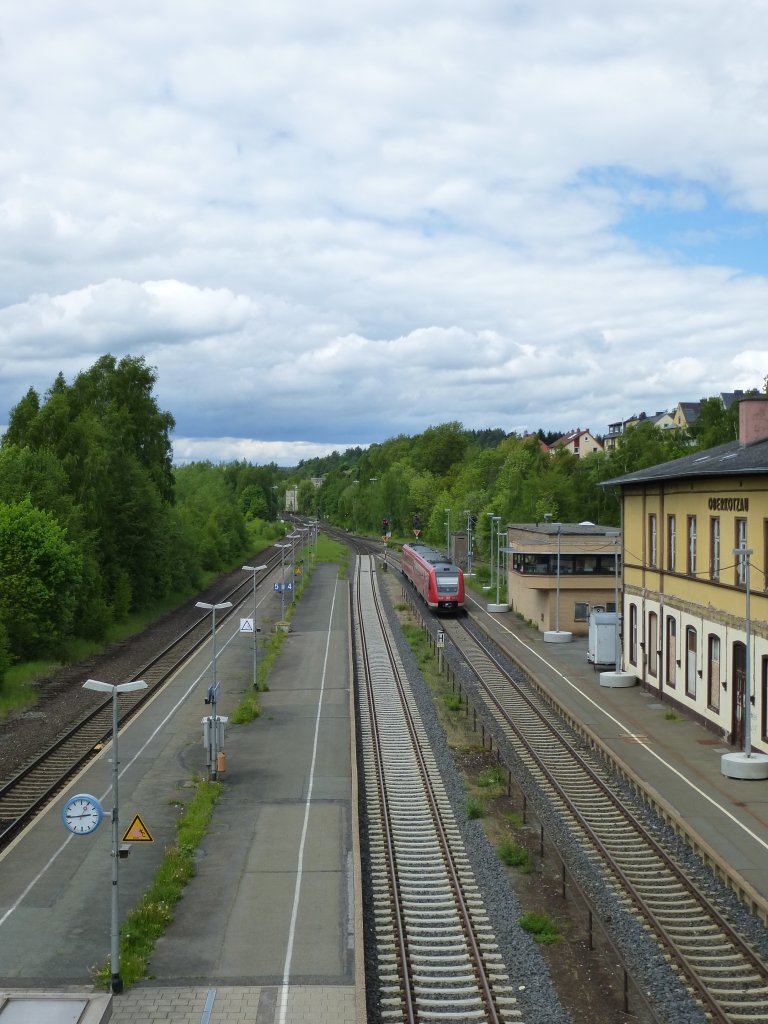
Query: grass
{"type": "Point", "coordinates": [248, 709]}
{"type": "Point", "coordinates": [514, 855]}
{"type": "Point", "coordinates": [493, 780]}
{"type": "Point", "coordinates": [418, 641]}
{"type": "Point", "coordinates": [146, 923]}
{"type": "Point", "coordinates": [452, 701]}
{"type": "Point", "coordinates": [672, 716]}
{"type": "Point", "coordinates": [541, 926]}
{"type": "Point", "coordinates": [475, 807]}
{"type": "Point", "coordinates": [331, 551]}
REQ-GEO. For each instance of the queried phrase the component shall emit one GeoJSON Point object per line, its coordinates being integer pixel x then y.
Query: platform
{"type": "Point", "coordinates": [267, 931]}
{"type": "Point", "coordinates": [672, 757]}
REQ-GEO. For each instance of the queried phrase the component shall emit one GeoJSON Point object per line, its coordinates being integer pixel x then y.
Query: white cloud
{"type": "Point", "coordinates": [331, 224]}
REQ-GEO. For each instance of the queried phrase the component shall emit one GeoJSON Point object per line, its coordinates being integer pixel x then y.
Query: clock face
{"type": "Point", "coordinates": [82, 814]}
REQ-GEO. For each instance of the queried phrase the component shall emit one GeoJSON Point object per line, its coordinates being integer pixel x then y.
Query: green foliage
{"type": "Point", "coordinates": [39, 575]}
{"type": "Point", "coordinates": [248, 709]}
{"type": "Point", "coordinates": [475, 807]}
{"type": "Point", "coordinates": [541, 926]}
{"type": "Point", "coordinates": [715, 424]}
{"type": "Point", "coordinates": [94, 459]}
{"type": "Point", "coordinates": [5, 657]}
{"type": "Point", "coordinates": [493, 780]}
{"type": "Point", "coordinates": [452, 701]}
{"type": "Point", "coordinates": [514, 855]}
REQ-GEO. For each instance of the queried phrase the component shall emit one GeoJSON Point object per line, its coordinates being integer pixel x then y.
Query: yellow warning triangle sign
{"type": "Point", "coordinates": [137, 832]}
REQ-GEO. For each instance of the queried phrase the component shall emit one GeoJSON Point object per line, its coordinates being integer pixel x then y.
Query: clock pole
{"type": "Point", "coordinates": [116, 982]}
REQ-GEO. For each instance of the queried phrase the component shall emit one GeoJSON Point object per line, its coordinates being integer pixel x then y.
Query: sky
{"type": "Point", "coordinates": [329, 224]}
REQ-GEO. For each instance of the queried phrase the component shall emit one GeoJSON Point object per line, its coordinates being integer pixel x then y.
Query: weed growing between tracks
{"type": "Point", "coordinates": [147, 922]}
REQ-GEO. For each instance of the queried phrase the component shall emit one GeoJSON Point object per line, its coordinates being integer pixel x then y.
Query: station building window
{"type": "Point", "coordinates": [671, 543]}
{"type": "Point", "coordinates": [652, 540]}
{"type": "Point", "coordinates": [581, 611]}
{"type": "Point", "coordinates": [633, 633]}
{"type": "Point", "coordinates": [691, 652]}
{"type": "Point", "coordinates": [653, 644]}
{"type": "Point", "coordinates": [714, 548]}
{"type": "Point", "coordinates": [671, 648]}
{"type": "Point", "coordinates": [741, 561]}
{"type": "Point", "coordinates": [713, 672]}
{"type": "Point", "coordinates": [691, 566]}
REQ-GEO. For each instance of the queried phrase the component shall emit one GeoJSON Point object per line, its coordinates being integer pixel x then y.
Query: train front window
{"type": "Point", "coordinates": [447, 584]}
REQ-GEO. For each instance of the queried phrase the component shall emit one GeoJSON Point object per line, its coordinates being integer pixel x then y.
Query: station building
{"type": "Point", "coordinates": [586, 581]}
{"type": "Point", "coordinates": [689, 616]}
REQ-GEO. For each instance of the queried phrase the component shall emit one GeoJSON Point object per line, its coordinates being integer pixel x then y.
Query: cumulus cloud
{"type": "Point", "coordinates": [328, 225]}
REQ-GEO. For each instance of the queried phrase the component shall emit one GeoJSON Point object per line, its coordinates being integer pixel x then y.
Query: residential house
{"type": "Point", "coordinates": [580, 442]}
{"type": "Point", "coordinates": [685, 414]}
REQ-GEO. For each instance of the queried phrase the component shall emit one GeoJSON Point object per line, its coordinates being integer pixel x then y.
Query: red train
{"type": "Point", "coordinates": [437, 579]}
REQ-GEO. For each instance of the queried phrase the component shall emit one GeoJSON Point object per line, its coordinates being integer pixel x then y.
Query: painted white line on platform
{"type": "Point", "coordinates": [300, 866]}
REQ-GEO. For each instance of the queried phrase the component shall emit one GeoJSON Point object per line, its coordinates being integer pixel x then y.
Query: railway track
{"type": "Point", "coordinates": [721, 971]}
{"type": "Point", "coordinates": [30, 790]}
{"type": "Point", "coordinates": [437, 957]}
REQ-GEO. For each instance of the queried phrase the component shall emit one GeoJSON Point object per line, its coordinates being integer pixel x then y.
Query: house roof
{"type": "Point", "coordinates": [689, 410]}
{"type": "Point", "coordinates": [732, 459]}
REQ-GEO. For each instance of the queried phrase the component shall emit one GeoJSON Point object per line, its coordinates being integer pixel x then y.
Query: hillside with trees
{"type": "Point", "coordinates": [96, 524]}
{"type": "Point", "coordinates": [448, 469]}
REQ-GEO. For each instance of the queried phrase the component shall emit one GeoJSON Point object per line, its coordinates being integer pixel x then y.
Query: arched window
{"type": "Point", "coordinates": [713, 672]}
{"type": "Point", "coordinates": [633, 633]}
{"type": "Point", "coordinates": [671, 648]}
{"type": "Point", "coordinates": [653, 644]}
{"type": "Point", "coordinates": [691, 651]}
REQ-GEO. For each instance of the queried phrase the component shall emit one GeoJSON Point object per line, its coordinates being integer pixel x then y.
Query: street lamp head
{"type": "Point", "coordinates": [253, 568]}
{"type": "Point", "coordinates": [95, 684]}
{"type": "Point", "coordinates": [213, 607]}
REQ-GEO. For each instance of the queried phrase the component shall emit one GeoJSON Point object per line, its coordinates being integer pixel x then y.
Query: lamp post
{"type": "Point", "coordinates": [490, 553]}
{"type": "Point", "coordinates": [283, 548]}
{"type": "Point", "coordinates": [254, 569]}
{"type": "Point", "coordinates": [448, 527]}
{"type": "Point", "coordinates": [557, 635]}
{"type": "Point", "coordinates": [213, 691]}
{"type": "Point", "coordinates": [497, 520]}
{"type": "Point", "coordinates": [468, 514]}
{"type": "Point", "coordinates": [116, 982]}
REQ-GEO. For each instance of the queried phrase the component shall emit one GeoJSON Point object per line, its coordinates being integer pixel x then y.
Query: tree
{"type": "Point", "coordinates": [39, 580]}
{"type": "Point", "coordinates": [715, 424]}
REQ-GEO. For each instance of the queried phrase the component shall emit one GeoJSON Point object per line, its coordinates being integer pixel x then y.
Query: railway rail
{"type": "Point", "coordinates": [722, 972]}
{"type": "Point", "coordinates": [30, 789]}
{"type": "Point", "coordinates": [437, 956]}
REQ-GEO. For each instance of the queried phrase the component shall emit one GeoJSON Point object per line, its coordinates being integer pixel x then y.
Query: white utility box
{"type": "Point", "coordinates": [601, 649]}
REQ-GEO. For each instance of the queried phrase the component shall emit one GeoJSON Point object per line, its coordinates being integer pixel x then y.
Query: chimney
{"type": "Point", "coordinates": [753, 420]}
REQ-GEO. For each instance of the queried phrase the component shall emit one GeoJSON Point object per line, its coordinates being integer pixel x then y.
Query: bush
{"type": "Point", "coordinates": [541, 927]}
{"type": "Point", "coordinates": [493, 779]}
{"type": "Point", "coordinates": [515, 856]}
{"type": "Point", "coordinates": [475, 807]}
